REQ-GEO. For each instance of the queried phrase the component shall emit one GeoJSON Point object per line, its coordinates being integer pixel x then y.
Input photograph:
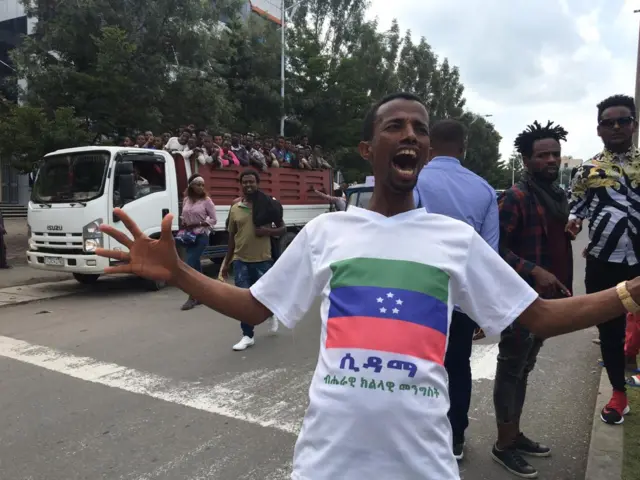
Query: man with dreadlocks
{"type": "Point", "coordinates": [533, 216]}
{"type": "Point", "coordinates": [605, 190]}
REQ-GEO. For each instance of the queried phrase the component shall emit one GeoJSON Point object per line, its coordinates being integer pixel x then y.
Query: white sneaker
{"type": "Point", "coordinates": [243, 344]}
{"type": "Point", "coordinates": [273, 325]}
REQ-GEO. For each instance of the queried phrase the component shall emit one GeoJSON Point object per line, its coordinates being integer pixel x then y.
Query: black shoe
{"type": "Point", "coordinates": [458, 450]}
{"type": "Point", "coordinates": [526, 446]}
{"type": "Point", "coordinates": [510, 459]}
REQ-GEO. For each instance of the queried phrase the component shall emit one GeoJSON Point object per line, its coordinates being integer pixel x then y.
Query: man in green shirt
{"type": "Point", "coordinates": [249, 246]}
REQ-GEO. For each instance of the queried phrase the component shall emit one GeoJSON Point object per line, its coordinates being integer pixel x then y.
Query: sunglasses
{"type": "Point", "coordinates": [611, 122]}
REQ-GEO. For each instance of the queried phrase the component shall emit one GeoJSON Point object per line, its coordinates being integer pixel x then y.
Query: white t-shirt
{"type": "Point", "coordinates": [378, 399]}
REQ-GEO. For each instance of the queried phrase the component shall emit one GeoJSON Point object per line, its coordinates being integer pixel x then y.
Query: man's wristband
{"type": "Point", "coordinates": [625, 297]}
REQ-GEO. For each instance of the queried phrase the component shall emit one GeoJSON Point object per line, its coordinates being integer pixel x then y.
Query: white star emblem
{"type": "Point", "coordinates": [399, 302]}
{"type": "Point", "coordinates": [383, 310]}
{"type": "Point", "coordinates": [396, 311]}
{"type": "Point", "coordinates": [389, 295]}
{"type": "Point", "coordinates": [380, 299]}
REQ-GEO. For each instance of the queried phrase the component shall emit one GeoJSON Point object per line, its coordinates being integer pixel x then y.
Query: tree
{"type": "Point", "coordinates": [512, 169]}
{"type": "Point", "coordinates": [27, 134]}
{"type": "Point", "coordinates": [482, 153]}
{"type": "Point", "coordinates": [340, 64]}
{"type": "Point", "coordinates": [125, 65]}
{"type": "Point", "coordinates": [252, 71]}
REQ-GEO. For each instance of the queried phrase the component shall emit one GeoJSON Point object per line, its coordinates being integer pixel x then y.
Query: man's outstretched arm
{"type": "Point", "coordinates": [549, 318]}
{"type": "Point", "coordinates": [226, 299]}
{"type": "Point", "coordinates": [159, 260]}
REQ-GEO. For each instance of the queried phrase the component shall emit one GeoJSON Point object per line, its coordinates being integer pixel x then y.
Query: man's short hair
{"type": "Point", "coordinates": [248, 172]}
{"type": "Point", "coordinates": [370, 119]}
{"type": "Point", "coordinates": [617, 101]}
{"type": "Point", "coordinates": [449, 132]}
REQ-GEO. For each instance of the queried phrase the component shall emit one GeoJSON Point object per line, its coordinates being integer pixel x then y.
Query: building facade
{"type": "Point", "coordinates": [14, 24]}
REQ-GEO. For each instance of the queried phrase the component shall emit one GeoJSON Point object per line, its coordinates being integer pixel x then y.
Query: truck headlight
{"type": "Point", "coordinates": [92, 237]}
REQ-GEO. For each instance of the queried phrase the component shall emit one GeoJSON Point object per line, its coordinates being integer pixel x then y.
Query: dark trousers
{"type": "Point", "coordinates": [245, 275]}
{"type": "Point", "coordinates": [600, 276]}
{"type": "Point", "coordinates": [457, 361]}
{"type": "Point", "coordinates": [3, 252]}
{"type": "Point", "coordinates": [194, 251]}
{"type": "Point", "coordinates": [517, 355]}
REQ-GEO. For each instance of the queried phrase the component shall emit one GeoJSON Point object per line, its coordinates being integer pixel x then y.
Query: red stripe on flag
{"type": "Point", "coordinates": [386, 335]}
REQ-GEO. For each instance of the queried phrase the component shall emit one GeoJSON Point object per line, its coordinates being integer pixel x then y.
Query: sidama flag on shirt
{"type": "Point", "coordinates": [391, 306]}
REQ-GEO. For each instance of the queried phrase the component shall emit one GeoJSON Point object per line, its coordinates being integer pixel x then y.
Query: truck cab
{"type": "Point", "coordinates": [76, 191]}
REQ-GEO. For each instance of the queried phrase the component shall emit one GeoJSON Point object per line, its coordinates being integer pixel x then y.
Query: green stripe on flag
{"type": "Point", "coordinates": [379, 272]}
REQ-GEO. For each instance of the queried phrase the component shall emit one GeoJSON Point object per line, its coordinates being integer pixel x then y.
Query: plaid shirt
{"type": "Point", "coordinates": [523, 232]}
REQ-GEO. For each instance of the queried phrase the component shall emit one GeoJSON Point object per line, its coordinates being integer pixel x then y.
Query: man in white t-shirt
{"type": "Point", "coordinates": [388, 277]}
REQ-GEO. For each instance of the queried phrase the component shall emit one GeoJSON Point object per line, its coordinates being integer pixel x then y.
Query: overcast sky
{"type": "Point", "coordinates": [523, 60]}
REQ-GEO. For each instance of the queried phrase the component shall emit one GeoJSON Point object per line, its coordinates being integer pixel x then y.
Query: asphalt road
{"type": "Point", "coordinates": [120, 384]}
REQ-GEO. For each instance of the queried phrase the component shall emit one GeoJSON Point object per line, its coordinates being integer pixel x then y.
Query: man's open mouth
{"type": "Point", "coordinates": [406, 162]}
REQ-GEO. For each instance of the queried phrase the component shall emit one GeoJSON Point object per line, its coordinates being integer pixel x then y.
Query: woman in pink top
{"type": "Point", "coordinates": [199, 218]}
{"type": "Point", "coordinates": [227, 156]}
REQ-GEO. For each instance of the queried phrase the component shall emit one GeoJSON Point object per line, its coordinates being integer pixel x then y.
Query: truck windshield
{"type": "Point", "coordinates": [74, 177]}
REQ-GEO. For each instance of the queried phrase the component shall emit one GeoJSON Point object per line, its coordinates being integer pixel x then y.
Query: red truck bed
{"type": "Point", "coordinates": [291, 186]}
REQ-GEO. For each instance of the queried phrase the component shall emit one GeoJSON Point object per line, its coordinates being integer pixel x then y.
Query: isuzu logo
{"type": "Point", "coordinates": [54, 228]}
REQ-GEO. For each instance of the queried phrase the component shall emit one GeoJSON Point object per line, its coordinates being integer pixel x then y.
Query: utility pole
{"type": "Point", "coordinates": [283, 60]}
{"type": "Point", "coordinates": [283, 54]}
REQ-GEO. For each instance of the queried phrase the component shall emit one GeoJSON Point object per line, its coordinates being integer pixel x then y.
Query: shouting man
{"type": "Point", "coordinates": [533, 214]}
{"type": "Point", "coordinates": [388, 278]}
{"type": "Point", "coordinates": [605, 190]}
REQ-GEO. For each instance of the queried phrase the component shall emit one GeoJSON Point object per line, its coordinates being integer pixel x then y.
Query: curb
{"type": "Point", "coordinates": [604, 460]}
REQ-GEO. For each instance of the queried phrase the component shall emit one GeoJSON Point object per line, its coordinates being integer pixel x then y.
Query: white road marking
{"type": "Point", "coordinates": [217, 399]}
{"type": "Point", "coordinates": [483, 361]}
{"type": "Point", "coordinates": [232, 399]}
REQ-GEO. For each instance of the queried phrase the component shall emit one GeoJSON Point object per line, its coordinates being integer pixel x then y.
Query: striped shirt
{"type": "Point", "coordinates": [606, 191]}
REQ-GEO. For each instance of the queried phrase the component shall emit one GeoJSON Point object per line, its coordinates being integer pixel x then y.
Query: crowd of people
{"type": "Point", "coordinates": [224, 150]}
{"type": "Point", "coordinates": [399, 313]}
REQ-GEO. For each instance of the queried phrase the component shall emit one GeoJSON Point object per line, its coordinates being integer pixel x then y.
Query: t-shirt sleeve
{"type": "Point", "coordinates": [489, 290]}
{"type": "Point", "coordinates": [231, 224]}
{"type": "Point", "coordinates": [289, 288]}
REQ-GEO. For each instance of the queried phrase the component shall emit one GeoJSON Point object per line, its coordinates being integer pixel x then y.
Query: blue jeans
{"type": "Point", "coordinates": [194, 251]}
{"type": "Point", "coordinates": [246, 274]}
{"type": "Point", "coordinates": [457, 361]}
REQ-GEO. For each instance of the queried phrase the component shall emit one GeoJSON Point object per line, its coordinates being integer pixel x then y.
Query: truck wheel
{"type": "Point", "coordinates": [86, 279]}
{"type": "Point", "coordinates": [285, 240]}
{"type": "Point", "coordinates": [155, 285]}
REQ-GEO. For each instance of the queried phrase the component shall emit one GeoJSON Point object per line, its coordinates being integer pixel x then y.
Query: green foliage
{"type": "Point", "coordinates": [129, 65]}
{"type": "Point", "coordinates": [511, 169]}
{"type": "Point", "coordinates": [27, 134]}
{"type": "Point", "coordinates": [126, 65]}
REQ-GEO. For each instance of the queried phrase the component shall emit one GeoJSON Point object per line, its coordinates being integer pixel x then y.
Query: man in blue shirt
{"type": "Point", "coordinates": [446, 187]}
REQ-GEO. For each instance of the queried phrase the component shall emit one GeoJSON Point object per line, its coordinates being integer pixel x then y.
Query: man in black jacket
{"type": "Point", "coordinates": [253, 222]}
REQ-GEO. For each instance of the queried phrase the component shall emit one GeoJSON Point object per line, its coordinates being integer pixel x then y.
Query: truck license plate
{"type": "Point", "coordinates": [54, 261]}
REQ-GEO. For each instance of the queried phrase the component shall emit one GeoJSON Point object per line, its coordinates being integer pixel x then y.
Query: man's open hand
{"type": "Point", "coordinates": [152, 259]}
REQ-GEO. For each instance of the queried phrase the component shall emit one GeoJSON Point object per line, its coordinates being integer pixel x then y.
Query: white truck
{"type": "Point", "coordinates": [77, 189]}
